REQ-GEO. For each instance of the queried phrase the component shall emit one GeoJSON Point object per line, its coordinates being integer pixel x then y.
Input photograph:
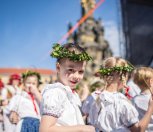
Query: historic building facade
{"type": "Point", "coordinates": [90, 35]}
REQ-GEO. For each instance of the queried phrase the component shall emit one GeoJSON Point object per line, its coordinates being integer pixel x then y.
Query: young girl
{"type": "Point", "coordinates": [60, 104]}
{"type": "Point", "coordinates": [115, 113]}
{"type": "Point", "coordinates": [26, 104]}
{"type": "Point", "coordinates": [143, 77]}
{"type": "Point", "coordinates": [13, 87]}
{"type": "Point", "coordinates": [8, 92]}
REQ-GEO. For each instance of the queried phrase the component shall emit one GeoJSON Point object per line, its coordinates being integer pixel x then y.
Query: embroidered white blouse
{"type": "Point", "coordinates": [114, 113]}
{"type": "Point", "coordinates": [59, 101]}
{"type": "Point", "coordinates": [141, 104]}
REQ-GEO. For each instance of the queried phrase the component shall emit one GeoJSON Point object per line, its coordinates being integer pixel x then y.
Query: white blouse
{"type": "Point", "coordinates": [114, 112]}
{"type": "Point", "coordinates": [23, 105]}
{"type": "Point", "coordinates": [141, 104]}
{"type": "Point", "coordinates": [59, 101]}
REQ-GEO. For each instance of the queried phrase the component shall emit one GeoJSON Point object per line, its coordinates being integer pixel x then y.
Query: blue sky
{"type": "Point", "coordinates": [29, 27]}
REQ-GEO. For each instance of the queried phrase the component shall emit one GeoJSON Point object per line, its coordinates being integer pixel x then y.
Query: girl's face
{"type": "Point", "coordinates": [70, 73]}
{"type": "Point", "coordinates": [15, 82]}
{"type": "Point", "coordinates": [30, 82]}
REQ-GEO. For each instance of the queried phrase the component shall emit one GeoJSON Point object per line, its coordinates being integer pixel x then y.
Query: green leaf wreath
{"type": "Point", "coordinates": [123, 69]}
{"type": "Point", "coordinates": [61, 52]}
{"type": "Point", "coordinates": [31, 73]}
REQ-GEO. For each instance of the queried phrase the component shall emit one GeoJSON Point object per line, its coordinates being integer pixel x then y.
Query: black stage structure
{"type": "Point", "coordinates": [137, 20]}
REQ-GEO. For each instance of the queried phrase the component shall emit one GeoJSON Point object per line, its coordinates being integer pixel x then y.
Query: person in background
{"type": "Point", "coordinates": [9, 90]}
{"type": "Point", "coordinates": [24, 107]}
{"type": "Point", "coordinates": [133, 88]}
{"type": "Point", "coordinates": [83, 89]}
{"type": "Point", "coordinates": [143, 77]}
{"type": "Point", "coordinates": [3, 101]}
{"type": "Point", "coordinates": [13, 86]}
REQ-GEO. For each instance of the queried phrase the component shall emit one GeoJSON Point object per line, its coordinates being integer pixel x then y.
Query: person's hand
{"type": "Point", "coordinates": [33, 89]}
{"type": "Point", "coordinates": [14, 117]}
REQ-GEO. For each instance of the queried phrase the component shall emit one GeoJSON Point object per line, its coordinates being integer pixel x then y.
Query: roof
{"type": "Point", "coordinates": [21, 70]}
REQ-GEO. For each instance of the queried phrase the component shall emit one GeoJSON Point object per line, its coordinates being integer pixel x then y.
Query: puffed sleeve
{"type": "Point", "coordinates": [129, 114]}
{"type": "Point", "coordinates": [53, 102]}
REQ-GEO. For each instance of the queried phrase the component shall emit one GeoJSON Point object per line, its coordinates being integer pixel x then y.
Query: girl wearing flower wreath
{"type": "Point", "coordinates": [114, 112]}
{"type": "Point", "coordinates": [143, 77]}
{"type": "Point", "coordinates": [24, 107]}
{"type": "Point", "coordinates": [60, 103]}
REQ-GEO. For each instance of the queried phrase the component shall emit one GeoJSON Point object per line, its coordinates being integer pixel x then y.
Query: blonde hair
{"type": "Point", "coordinates": [142, 76]}
{"type": "Point", "coordinates": [115, 62]}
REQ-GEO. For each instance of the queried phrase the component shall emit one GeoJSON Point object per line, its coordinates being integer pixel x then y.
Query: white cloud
{"type": "Point", "coordinates": [111, 34]}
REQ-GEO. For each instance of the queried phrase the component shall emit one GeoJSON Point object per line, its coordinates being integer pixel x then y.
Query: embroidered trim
{"type": "Point", "coordinates": [51, 114]}
{"type": "Point", "coordinates": [52, 111]}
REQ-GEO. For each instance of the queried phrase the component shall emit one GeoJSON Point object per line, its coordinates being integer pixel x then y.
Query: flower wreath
{"type": "Point", "coordinates": [107, 71]}
{"type": "Point", "coordinates": [31, 73]}
{"type": "Point", "coordinates": [61, 52]}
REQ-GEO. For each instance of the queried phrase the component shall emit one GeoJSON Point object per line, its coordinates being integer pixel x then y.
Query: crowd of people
{"type": "Point", "coordinates": [120, 99]}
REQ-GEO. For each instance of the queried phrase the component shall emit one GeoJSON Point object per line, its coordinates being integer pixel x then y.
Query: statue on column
{"type": "Point", "coordinates": [87, 5]}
